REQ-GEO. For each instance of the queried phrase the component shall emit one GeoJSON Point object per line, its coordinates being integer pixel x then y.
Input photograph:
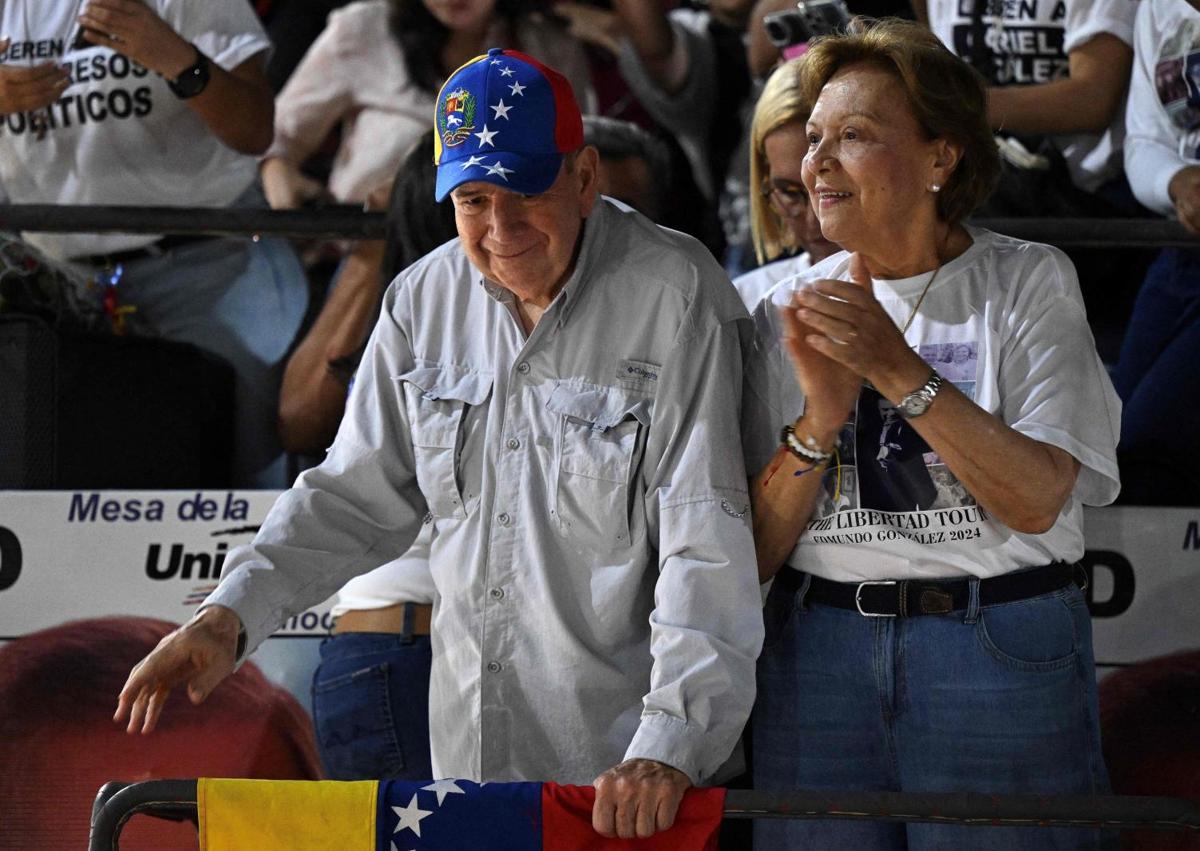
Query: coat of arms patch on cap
{"type": "Point", "coordinates": [456, 118]}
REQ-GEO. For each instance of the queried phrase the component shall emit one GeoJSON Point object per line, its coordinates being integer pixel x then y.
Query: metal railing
{"type": "Point", "coordinates": [342, 222]}
{"type": "Point", "coordinates": [117, 802]}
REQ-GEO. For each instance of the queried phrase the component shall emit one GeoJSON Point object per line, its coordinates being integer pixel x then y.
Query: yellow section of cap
{"type": "Point", "coordinates": [286, 815]}
{"type": "Point", "coordinates": [437, 104]}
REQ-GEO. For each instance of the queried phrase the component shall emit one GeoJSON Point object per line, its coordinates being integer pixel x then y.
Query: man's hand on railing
{"type": "Point", "coordinates": [637, 798]}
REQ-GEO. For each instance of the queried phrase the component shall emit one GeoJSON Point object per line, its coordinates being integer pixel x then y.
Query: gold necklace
{"type": "Point", "coordinates": [921, 298]}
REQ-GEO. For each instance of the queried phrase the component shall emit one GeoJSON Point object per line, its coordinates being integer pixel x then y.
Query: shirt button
{"type": "Point", "coordinates": [503, 519]}
{"type": "Point", "coordinates": [523, 368]}
{"type": "Point", "coordinates": [513, 443]}
{"type": "Point", "coordinates": [494, 667]}
{"type": "Point", "coordinates": [497, 593]}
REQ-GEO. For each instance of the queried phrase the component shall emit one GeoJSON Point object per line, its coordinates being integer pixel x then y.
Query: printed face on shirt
{"type": "Point", "coordinates": [868, 164]}
{"type": "Point", "coordinates": [785, 149]}
{"type": "Point", "coordinates": [460, 15]}
{"type": "Point", "coordinates": [526, 243]}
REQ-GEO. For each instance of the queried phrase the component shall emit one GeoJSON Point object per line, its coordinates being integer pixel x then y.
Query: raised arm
{"type": "Point", "coordinates": [236, 105]}
{"type": "Point", "coordinates": [1086, 101]}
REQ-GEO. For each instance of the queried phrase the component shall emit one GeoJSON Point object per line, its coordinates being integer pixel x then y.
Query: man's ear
{"type": "Point", "coordinates": [587, 172]}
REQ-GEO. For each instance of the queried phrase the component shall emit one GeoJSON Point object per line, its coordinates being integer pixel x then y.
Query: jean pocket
{"type": "Point", "coordinates": [1032, 635]}
{"type": "Point", "coordinates": [447, 414]}
{"type": "Point", "coordinates": [601, 435]}
{"type": "Point", "coordinates": [355, 727]}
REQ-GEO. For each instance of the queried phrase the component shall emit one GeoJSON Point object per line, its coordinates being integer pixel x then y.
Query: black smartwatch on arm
{"type": "Point", "coordinates": [191, 80]}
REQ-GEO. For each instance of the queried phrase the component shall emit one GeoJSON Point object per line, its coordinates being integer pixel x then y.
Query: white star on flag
{"type": "Point", "coordinates": [517, 89]}
{"type": "Point", "coordinates": [496, 168]}
{"type": "Point", "coordinates": [485, 136]}
{"type": "Point", "coordinates": [507, 72]}
{"type": "Point", "coordinates": [501, 110]}
{"type": "Point", "coordinates": [472, 160]}
{"type": "Point", "coordinates": [410, 817]}
{"type": "Point", "coordinates": [444, 788]}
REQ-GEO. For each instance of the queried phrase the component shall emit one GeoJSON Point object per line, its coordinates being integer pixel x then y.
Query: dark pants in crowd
{"type": "Point", "coordinates": [1158, 380]}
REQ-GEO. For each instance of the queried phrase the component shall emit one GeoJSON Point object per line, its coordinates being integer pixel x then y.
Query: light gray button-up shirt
{"type": "Point", "coordinates": [597, 597]}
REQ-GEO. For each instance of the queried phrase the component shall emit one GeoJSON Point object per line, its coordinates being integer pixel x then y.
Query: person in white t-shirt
{"type": "Point", "coordinates": [925, 629]}
{"type": "Point", "coordinates": [787, 235]}
{"type": "Point", "coordinates": [164, 102]}
{"type": "Point", "coordinates": [1156, 373]}
{"type": "Point", "coordinates": [1055, 68]}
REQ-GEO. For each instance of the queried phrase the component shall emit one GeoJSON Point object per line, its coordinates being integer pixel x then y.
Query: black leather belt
{"type": "Point", "coordinates": [910, 597]}
{"type": "Point", "coordinates": [154, 249]}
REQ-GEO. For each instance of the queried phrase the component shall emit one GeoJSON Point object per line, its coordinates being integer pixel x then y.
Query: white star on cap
{"type": "Point", "coordinates": [444, 788]}
{"type": "Point", "coordinates": [501, 110]}
{"type": "Point", "coordinates": [496, 168]}
{"type": "Point", "coordinates": [474, 160]}
{"type": "Point", "coordinates": [517, 89]}
{"type": "Point", "coordinates": [507, 72]}
{"type": "Point", "coordinates": [410, 817]}
{"type": "Point", "coordinates": [494, 62]}
{"type": "Point", "coordinates": [485, 136]}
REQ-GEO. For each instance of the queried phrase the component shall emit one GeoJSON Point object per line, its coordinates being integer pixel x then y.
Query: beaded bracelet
{"type": "Point", "coordinates": [804, 450]}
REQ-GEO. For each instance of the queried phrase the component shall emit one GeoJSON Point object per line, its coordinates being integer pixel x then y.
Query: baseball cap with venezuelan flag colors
{"type": "Point", "coordinates": [507, 119]}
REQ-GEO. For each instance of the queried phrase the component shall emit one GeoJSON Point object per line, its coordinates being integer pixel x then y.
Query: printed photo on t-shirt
{"type": "Point", "coordinates": [882, 462]}
{"type": "Point", "coordinates": [955, 362]}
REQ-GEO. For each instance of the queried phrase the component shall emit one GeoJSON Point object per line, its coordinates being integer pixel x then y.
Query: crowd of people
{"type": "Point", "coordinates": [540, 434]}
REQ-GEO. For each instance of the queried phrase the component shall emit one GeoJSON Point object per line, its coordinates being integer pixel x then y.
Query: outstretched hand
{"type": "Point", "coordinates": [200, 653]}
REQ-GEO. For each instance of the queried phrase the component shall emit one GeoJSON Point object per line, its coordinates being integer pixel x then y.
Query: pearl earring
{"type": "Point", "coordinates": [936, 187]}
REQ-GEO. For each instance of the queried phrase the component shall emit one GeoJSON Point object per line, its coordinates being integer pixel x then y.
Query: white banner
{"type": "Point", "coordinates": [1145, 591]}
{"type": "Point", "coordinates": [69, 555]}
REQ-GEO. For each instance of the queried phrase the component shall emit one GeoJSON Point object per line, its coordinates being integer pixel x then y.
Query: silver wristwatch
{"type": "Point", "coordinates": [918, 401]}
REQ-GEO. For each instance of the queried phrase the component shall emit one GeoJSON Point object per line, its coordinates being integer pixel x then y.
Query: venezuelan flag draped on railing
{"type": "Point", "coordinates": [446, 815]}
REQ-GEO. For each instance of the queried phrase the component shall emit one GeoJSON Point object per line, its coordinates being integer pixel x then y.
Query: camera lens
{"type": "Point", "coordinates": [784, 28]}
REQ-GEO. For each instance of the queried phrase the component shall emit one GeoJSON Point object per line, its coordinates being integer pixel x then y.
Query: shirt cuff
{"type": "Point", "coordinates": [668, 740]}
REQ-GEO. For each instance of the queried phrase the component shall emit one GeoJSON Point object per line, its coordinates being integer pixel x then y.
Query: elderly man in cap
{"type": "Point", "coordinates": [560, 389]}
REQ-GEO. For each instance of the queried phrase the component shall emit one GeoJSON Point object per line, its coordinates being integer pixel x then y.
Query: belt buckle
{"type": "Point", "coordinates": [858, 598]}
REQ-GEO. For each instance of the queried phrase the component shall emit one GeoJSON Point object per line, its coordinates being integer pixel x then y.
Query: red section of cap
{"type": "Point", "coordinates": [568, 123]}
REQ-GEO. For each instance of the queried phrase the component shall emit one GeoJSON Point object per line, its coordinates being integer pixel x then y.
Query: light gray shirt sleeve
{"type": "Point", "coordinates": [358, 509]}
{"type": "Point", "coordinates": [706, 627]}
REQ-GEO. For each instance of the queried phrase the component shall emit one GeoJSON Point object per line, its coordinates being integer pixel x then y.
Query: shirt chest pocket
{"type": "Point", "coordinates": [447, 414]}
{"type": "Point", "coordinates": [600, 437]}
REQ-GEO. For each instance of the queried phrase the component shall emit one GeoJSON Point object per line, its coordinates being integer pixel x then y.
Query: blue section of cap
{"type": "Point", "coordinates": [496, 120]}
{"type": "Point", "coordinates": [526, 174]}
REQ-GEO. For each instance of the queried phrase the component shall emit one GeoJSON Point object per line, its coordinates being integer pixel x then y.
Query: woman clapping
{"type": "Point", "coordinates": [925, 631]}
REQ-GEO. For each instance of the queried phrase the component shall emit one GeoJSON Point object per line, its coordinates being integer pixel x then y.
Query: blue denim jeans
{"type": "Point", "coordinates": [1000, 699]}
{"type": "Point", "coordinates": [370, 697]}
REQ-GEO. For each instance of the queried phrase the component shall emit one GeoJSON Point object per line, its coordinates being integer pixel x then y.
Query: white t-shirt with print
{"type": "Point", "coordinates": [1005, 322]}
{"type": "Point", "coordinates": [1029, 41]}
{"type": "Point", "coordinates": [117, 135]}
{"type": "Point", "coordinates": [756, 283]}
{"type": "Point", "coordinates": [1163, 115]}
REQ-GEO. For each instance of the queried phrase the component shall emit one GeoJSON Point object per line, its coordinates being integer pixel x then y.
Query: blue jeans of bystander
{"type": "Point", "coordinates": [370, 699]}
